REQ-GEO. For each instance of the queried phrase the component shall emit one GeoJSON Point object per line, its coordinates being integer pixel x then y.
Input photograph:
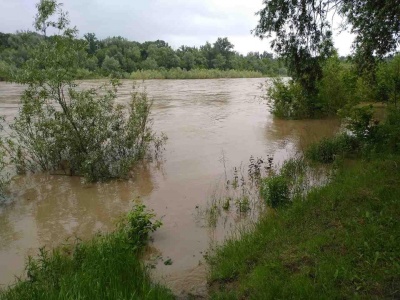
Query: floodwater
{"type": "Point", "coordinates": [209, 124]}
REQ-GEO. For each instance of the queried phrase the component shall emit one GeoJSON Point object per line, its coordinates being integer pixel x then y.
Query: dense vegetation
{"type": "Point", "coordinates": [302, 32]}
{"type": "Point", "coordinates": [119, 57]}
{"type": "Point", "coordinates": [339, 88]}
{"type": "Point", "coordinates": [106, 267]}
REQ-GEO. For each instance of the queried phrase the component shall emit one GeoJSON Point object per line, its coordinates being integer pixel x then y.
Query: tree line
{"type": "Point", "coordinates": [119, 57]}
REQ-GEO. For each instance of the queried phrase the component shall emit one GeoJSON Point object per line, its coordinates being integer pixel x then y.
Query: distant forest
{"type": "Point", "coordinates": [119, 57]}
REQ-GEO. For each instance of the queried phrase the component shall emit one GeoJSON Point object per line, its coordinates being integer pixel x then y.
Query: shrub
{"type": "Point", "coordinates": [288, 101]}
{"type": "Point", "coordinates": [81, 132]}
{"type": "Point", "coordinates": [337, 85]}
{"type": "Point", "coordinates": [359, 120]}
{"type": "Point", "coordinates": [275, 191]}
{"type": "Point", "coordinates": [326, 150]}
{"type": "Point", "coordinates": [388, 80]}
{"type": "Point", "coordinates": [387, 134]}
{"type": "Point", "coordinates": [139, 224]}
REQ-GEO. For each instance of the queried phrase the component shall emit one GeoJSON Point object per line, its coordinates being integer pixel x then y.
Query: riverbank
{"type": "Point", "coordinates": [341, 242]}
{"type": "Point", "coordinates": [176, 73]}
{"type": "Point", "coordinates": [194, 74]}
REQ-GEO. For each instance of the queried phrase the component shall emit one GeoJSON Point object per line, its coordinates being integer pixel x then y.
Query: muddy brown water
{"type": "Point", "coordinates": [202, 119]}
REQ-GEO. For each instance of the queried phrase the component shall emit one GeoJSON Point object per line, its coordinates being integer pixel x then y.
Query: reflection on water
{"type": "Point", "coordinates": [201, 118]}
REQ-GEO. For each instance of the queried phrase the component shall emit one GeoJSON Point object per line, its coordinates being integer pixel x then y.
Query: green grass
{"type": "Point", "coordinates": [341, 242]}
{"type": "Point", "coordinates": [106, 267]}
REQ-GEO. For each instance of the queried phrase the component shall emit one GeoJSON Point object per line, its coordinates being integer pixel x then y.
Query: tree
{"type": "Point", "coordinates": [376, 25]}
{"type": "Point", "coordinates": [110, 65]}
{"type": "Point", "coordinates": [82, 132]}
{"type": "Point", "coordinates": [93, 43]}
{"type": "Point", "coordinates": [303, 32]}
{"type": "Point", "coordinates": [303, 37]}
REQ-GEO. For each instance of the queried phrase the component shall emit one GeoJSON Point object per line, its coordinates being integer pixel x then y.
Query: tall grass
{"type": "Point", "coordinates": [106, 267]}
{"type": "Point", "coordinates": [179, 73]}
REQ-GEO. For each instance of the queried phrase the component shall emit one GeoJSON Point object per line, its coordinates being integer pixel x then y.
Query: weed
{"type": "Point", "coordinates": [243, 204]}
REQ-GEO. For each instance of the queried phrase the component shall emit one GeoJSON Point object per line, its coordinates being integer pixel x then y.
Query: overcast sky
{"type": "Point", "coordinates": [178, 22]}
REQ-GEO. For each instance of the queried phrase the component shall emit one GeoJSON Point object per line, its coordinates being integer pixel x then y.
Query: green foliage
{"type": "Point", "coordinates": [388, 80]}
{"type": "Point", "coordinates": [288, 100]}
{"type": "Point", "coordinates": [81, 132]}
{"type": "Point", "coordinates": [386, 135]}
{"type": "Point", "coordinates": [337, 86]}
{"type": "Point", "coordinates": [359, 120]}
{"type": "Point", "coordinates": [116, 57]}
{"type": "Point", "coordinates": [139, 225]}
{"type": "Point", "coordinates": [328, 149]}
{"type": "Point", "coordinates": [303, 38]}
{"type": "Point", "coordinates": [377, 28]}
{"type": "Point", "coordinates": [341, 242]}
{"type": "Point", "coordinates": [105, 267]}
{"type": "Point", "coordinates": [110, 65]}
{"type": "Point", "coordinates": [4, 71]}
{"type": "Point", "coordinates": [89, 136]}
{"type": "Point", "coordinates": [275, 191]}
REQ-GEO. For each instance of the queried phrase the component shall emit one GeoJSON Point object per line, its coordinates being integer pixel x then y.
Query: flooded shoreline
{"type": "Point", "coordinates": [202, 119]}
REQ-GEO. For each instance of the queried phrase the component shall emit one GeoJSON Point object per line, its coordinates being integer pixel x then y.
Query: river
{"type": "Point", "coordinates": [207, 122]}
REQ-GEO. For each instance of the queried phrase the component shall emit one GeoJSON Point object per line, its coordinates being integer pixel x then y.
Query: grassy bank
{"type": "Point", "coordinates": [342, 241]}
{"type": "Point", "coordinates": [106, 267]}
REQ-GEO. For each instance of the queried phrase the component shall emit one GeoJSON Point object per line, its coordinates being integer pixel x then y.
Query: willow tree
{"type": "Point", "coordinates": [60, 126]}
{"type": "Point", "coordinates": [302, 32]}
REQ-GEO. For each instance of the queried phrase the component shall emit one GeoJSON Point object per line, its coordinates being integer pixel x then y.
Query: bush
{"type": "Point", "coordinates": [80, 132]}
{"type": "Point", "coordinates": [275, 191]}
{"type": "Point", "coordinates": [139, 224]}
{"type": "Point", "coordinates": [90, 136]}
{"type": "Point", "coordinates": [337, 85]}
{"type": "Point", "coordinates": [388, 80]}
{"type": "Point", "coordinates": [328, 149]}
{"type": "Point", "coordinates": [288, 101]}
{"type": "Point", "coordinates": [386, 138]}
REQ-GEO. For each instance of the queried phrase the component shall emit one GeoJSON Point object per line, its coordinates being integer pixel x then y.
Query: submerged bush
{"type": "Point", "coordinates": [89, 135]}
{"type": "Point", "coordinates": [82, 132]}
{"type": "Point", "coordinates": [288, 100]}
